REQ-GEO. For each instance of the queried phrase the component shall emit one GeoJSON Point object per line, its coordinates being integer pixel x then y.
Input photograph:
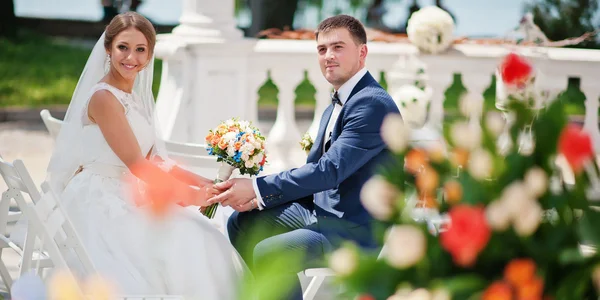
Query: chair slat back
{"type": "Point", "coordinates": [57, 232]}
{"type": "Point", "coordinates": [52, 124]}
{"type": "Point", "coordinates": [186, 148]}
{"type": "Point", "coordinates": [16, 176]}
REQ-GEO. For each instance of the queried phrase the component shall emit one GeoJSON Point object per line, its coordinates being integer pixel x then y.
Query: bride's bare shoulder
{"type": "Point", "coordinates": [104, 103]}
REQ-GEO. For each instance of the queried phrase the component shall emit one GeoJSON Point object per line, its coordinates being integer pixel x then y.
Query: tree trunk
{"type": "Point", "coordinates": [8, 20]}
{"type": "Point", "coordinates": [271, 14]}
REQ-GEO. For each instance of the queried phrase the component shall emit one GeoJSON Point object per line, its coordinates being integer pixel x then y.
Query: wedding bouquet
{"type": "Point", "coordinates": [237, 145]}
{"type": "Point", "coordinates": [516, 229]}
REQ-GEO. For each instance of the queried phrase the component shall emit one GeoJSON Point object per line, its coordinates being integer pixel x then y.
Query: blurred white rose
{"type": "Point", "coordinates": [406, 246]}
{"type": "Point", "coordinates": [515, 196]}
{"type": "Point", "coordinates": [526, 142]}
{"type": "Point", "coordinates": [420, 294]}
{"type": "Point", "coordinates": [440, 294]}
{"type": "Point", "coordinates": [498, 215]}
{"type": "Point", "coordinates": [528, 218]}
{"type": "Point", "coordinates": [343, 261]}
{"type": "Point", "coordinates": [230, 136]}
{"type": "Point", "coordinates": [480, 164]}
{"type": "Point", "coordinates": [231, 148]}
{"type": "Point", "coordinates": [431, 29]}
{"type": "Point", "coordinates": [230, 122]}
{"type": "Point", "coordinates": [249, 164]}
{"type": "Point", "coordinates": [378, 196]}
{"type": "Point", "coordinates": [394, 133]}
{"type": "Point", "coordinates": [465, 136]}
{"type": "Point", "coordinates": [494, 122]}
{"type": "Point", "coordinates": [536, 180]}
{"type": "Point", "coordinates": [470, 104]}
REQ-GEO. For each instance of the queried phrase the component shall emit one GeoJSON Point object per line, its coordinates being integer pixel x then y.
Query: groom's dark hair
{"type": "Point", "coordinates": [354, 26]}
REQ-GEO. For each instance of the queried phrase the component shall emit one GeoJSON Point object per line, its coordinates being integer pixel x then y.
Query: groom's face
{"type": "Point", "coordinates": [340, 56]}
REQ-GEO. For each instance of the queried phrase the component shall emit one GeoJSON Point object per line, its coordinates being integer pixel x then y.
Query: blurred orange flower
{"type": "Point", "coordinates": [519, 271]}
{"type": "Point", "coordinates": [498, 291]}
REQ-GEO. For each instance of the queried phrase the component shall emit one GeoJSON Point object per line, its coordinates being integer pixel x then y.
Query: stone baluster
{"type": "Point", "coordinates": [256, 79]}
{"type": "Point", "coordinates": [476, 84]}
{"type": "Point", "coordinates": [323, 98]}
{"type": "Point", "coordinates": [173, 102]}
{"type": "Point", "coordinates": [439, 79]}
{"type": "Point", "coordinates": [194, 23]}
{"type": "Point", "coordinates": [591, 89]}
{"type": "Point", "coordinates": [284, 137]}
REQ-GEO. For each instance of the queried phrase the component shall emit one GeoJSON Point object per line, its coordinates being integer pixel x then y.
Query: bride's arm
{"type": "Point", "coordinates": [189, 177]}
{"type": "Point", "coordinates": [182, 174]}
{"type": "Point", "coordinates": [108, 113]}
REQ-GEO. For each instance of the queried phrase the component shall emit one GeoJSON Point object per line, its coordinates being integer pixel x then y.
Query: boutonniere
{"type": "Point", "coordinates": [306, 143]}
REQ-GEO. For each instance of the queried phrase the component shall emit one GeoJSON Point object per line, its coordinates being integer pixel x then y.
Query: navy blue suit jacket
{"type": "Point", "coordinates": [335, 177]}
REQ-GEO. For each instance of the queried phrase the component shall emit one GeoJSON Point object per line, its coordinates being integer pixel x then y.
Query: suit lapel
{"type": "Point", "coordinates": [317, 149]}
{"type": "Point", "coordinates": [366, 80]}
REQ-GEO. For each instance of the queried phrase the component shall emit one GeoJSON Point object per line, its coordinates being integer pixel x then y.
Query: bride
{"type": "Point", "coordinates": [109, 134]}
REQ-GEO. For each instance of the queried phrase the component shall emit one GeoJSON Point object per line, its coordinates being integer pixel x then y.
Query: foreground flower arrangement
{"type": "Point", "coordinates": [515, 227]}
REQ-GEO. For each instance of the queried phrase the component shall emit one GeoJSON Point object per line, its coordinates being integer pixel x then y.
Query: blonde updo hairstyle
{"type": "Point", "coordinates": [128, 20]}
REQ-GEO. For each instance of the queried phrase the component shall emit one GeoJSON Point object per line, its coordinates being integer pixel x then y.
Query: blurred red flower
{"type": "Point", "coordinates": [576, 145]}
{"type": "Point", "coordinates": [515, 69]}
{"type": "Point", "coordinates": [467, 235]}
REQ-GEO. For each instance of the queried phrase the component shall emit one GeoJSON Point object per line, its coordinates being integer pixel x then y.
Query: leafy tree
{"type": "Point", "coordinates": [8, 20]}
{"type": "Point", "coordinates": [562, 19]}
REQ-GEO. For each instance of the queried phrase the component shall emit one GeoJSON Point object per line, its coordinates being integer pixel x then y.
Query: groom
{"type": "Point", "coordinates": [312, 209]}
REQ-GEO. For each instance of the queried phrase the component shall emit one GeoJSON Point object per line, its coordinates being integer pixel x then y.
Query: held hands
{"type": "Point", "coordinates": [237, 193]}
{"type": "Point", "coordinates": [197, 196]}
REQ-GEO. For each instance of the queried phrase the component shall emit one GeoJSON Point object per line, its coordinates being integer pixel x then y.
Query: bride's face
{"type": "Point", "coordinates": [129, 53]}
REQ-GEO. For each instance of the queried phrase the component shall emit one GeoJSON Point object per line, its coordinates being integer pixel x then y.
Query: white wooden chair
{"type": "Point", "coordinates": [56, 233]}
{"type": "Point", "coordinates": [52, 124]}
{"type": "Point", "coordinates": [19, 182]}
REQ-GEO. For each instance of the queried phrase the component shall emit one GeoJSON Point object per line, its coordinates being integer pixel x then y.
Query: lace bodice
{"type": "Point", "coordinates": [94, 145]}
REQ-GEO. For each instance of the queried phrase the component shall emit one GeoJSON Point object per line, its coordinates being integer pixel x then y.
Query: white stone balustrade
{"type": "Point", "coordinates": [211, 73]}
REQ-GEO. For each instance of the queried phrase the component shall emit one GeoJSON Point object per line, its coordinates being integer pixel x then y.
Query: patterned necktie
{"type": "Point", "coordinates": [335, 99]}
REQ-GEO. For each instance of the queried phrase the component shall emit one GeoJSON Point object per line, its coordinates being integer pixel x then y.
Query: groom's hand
{"type": "Point", "coordinates": [237, 193]}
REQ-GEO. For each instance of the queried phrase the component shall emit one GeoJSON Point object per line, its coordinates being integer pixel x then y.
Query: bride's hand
{"type": "Point", "coordinates": [203, 182]}
{"type": "Point", "coordinates": [191, 195]}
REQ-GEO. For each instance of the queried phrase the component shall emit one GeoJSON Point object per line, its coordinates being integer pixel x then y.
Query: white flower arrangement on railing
{"type": "Point", "coordinates": [413, 104]}
{"type": "Point", "coordinates": [431, 29]}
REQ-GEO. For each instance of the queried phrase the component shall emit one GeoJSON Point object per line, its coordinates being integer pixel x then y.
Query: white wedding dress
{"type": "Point", "coordinates": [179, 254]}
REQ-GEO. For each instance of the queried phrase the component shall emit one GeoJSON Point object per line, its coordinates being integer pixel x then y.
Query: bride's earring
{"type": "Point", "coordinates": [107, 64]}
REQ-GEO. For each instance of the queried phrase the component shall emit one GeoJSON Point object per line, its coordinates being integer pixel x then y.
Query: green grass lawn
{"type": "Point", "coordinates": [38, 72]}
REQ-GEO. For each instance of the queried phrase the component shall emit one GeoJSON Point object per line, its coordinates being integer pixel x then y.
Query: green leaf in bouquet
{"type": "Point", "coordinates": [393, 171]}
{"type": "Point", "coordinates": [570, 256]}
{"type": "Point", "coordinates": [515, 165]}
{"type": "Point", "coordinates": [376, 278]}
{"type": "Point", "coordinates": [462, 286]}
{"type": "Point", "coordinates": [589, 227]}
{"type": "Point", "coordinates": [576, 284]}
{"type": "Point", "coordinates": [476, 191]}
{"type": "Point", "coordinates": [577, 193]}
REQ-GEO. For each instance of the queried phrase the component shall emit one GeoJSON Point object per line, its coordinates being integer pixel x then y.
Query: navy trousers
{"type": "Point", "coordinates": [283, 240]}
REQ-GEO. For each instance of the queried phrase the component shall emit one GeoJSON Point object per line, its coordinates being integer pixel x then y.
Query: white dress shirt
{"type": "Point", "coordinates": [343, 94]}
